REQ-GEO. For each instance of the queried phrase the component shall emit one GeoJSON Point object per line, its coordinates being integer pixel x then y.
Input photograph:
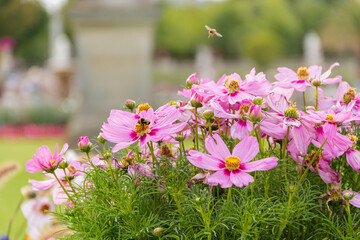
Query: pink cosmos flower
{"type": "Point", "coordinates": [71, 171]}
{"type": "Point", "coordinates": [234, 90]}
{"type": "Point", "coordinates": [346, 99]}
{"type": "Point", "coordinates": [45, 160]}
{"type": "Point", "coordinates": [231, 168]}
{"type": "Point", "coordinates": [124, 128]}
{"type": "Point", "coordinates": [331, 120]}
{"type": "Point", "coordinates": [303, 78]}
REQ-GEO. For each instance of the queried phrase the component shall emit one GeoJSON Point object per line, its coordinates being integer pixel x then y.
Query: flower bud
{"type": "Point", "coordinates": [84, 144]}
{"type": "Point", "coordinates": [348, 196]}
{"type": "Point", "coordinates": [310, 108]}
{"type": "Point", "coordinates": [63, 164]}
{"type": "Point", "coordinates": [100, 138]}
{"type": "Point", "coordinates": [196, 103]}
{"type": "Point", "coordinates": [107, 155]}
{"type": "Point", "coordinates": [316, 82]}
{"type": "Point", "coordinates": [191, 80]}
{"type": "Point", "coordinates": [199, 201]}
{"type": "Point", "coordinates": [255, 113]}
{"type": "Point", "coordinates": [208, 114]}
{"type": "Point", "coordinates": [158, 231]}
{"type": "Point", "coordinates": [130, 104]}
{"type": "Point", "coordinates": [257, 100]}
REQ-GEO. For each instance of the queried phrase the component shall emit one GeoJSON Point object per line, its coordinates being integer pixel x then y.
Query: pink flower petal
{"type": "Point", "coordinates": [42, 185]}
{"type": "Point", "coordinates": [260, 165]}
{"type": "Point", "coordinates": [205, 161]}
{"type": "Point", "coordinates": [217, 149]}
{"type": "Point", "coordinates": [221, 177]}
{"type": "Point", "coordinates": [240, 129]}
{"type": "Point", "coordinates": [247, 149]}
{"type": "Point", "coordinates": [353, 158]}
{"type": "Point", "coordinates": [32, 166]}
{"type": "Point", "coordinates": [240, 179]}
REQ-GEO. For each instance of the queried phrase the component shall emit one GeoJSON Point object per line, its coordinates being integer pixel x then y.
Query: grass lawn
{"type": "Point", "coordinates": [19, 150]}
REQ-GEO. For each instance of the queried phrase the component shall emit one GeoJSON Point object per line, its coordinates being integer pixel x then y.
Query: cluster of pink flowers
{"type": "Point", "coordinates": [256, 118]}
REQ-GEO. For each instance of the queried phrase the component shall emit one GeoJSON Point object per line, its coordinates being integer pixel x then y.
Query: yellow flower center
{"type": "Point", "coordinates": [52, 162]}
{"type": "Point", "coordinates": [303, 73]}
{"type": "Point", "coordinates": [291, 113]}
{"type": "Point", "coordinates": [349, 95]}
{"type": "Point", "coordinates": [143, 107]}
{"type": "Point", "coordinates": [232, 163]}
{"type": "Point", "coordinates": [141, 129]}
{"type": "Point", "coordinates": [330, 118]}
{"type": "Point", "coordinates": [233, 86]}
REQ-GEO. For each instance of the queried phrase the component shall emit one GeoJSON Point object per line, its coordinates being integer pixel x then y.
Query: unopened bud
{"type": "Point", "coordinates": [158, 231]}
{"type": "Point", "coordinates": [257, 100]}
{"type": "Point", "coordinates": [130, 104]}
{"type": "Point", "coordinates": [191, 80]}
{"type": "Point", "coordinates": [316, 82]}
{"type": "Point", "coordinates": [348, 196]}
{"type": "Point", "coordinates": [100, 138]}
{"type": "Point", "coordinates": [255, 113]}
{"type": "Point", "coordinates": [84, 144]}
{"type": "Point", "coordinates": [208, 114]}
{"type": "Point", "coordinates": [195, 102]}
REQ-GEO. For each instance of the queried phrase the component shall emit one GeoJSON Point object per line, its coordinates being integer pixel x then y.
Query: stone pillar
{"type": "Point", "coordinates": [114, 46]}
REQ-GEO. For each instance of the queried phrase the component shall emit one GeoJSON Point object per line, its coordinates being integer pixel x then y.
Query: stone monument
{"type": "Point", "coordinates": [313, 53]}
{"type": "Point", "coordinates": [114, 47]}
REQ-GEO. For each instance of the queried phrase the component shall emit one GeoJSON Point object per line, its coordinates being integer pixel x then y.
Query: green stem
{"type": "Point", "coordinates": [210, 130]}
{"type": "Point", "coordinates": [196, 131]}
{"type": "Point", "coordinates": [317, 98]}
{"type": "Point", "coordinates": [89, 159]}
{"type": "Point", "coordinates": [65, 191]}
{"type": "Point", "coordinates": [304, 100]}
{"type": "Point", "coordinates": [228, 197]}
{"type": "Point", "coordinates": [259, 139]}
{"type": "Point", "coordinates": [310, 164]}
{"type": "Point", "coordinates": [285, 142]}
{"type": "Point", "coordinates": [151, 148]}
{"type": "Point", "coordinates": [67, 178]}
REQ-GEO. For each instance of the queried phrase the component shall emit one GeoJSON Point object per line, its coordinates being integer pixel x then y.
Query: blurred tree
{"type": "Point", "coordinates": [26, 21]}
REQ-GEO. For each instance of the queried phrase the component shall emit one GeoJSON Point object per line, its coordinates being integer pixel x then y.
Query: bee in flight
{"type": "Point", "coordinates": [144, 121]}
{"type": "Point", "coordinates": [212, 32]}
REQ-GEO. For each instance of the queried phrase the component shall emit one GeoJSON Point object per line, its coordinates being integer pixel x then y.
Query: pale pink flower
{"type": "Point", "coordinates": [45, 160]}
{"type": "Point", "coordinates": [231, 168]}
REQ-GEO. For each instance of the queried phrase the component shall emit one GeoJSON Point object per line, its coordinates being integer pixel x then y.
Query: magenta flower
{"type": "Point", "coordinates": [84, 144]}
{"type": "Point", "coordinates": [124, 128]}
{"type": "Point", "coordinates": [45, 160]}
{"type": "Point", "coordinates": [231, 168]}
